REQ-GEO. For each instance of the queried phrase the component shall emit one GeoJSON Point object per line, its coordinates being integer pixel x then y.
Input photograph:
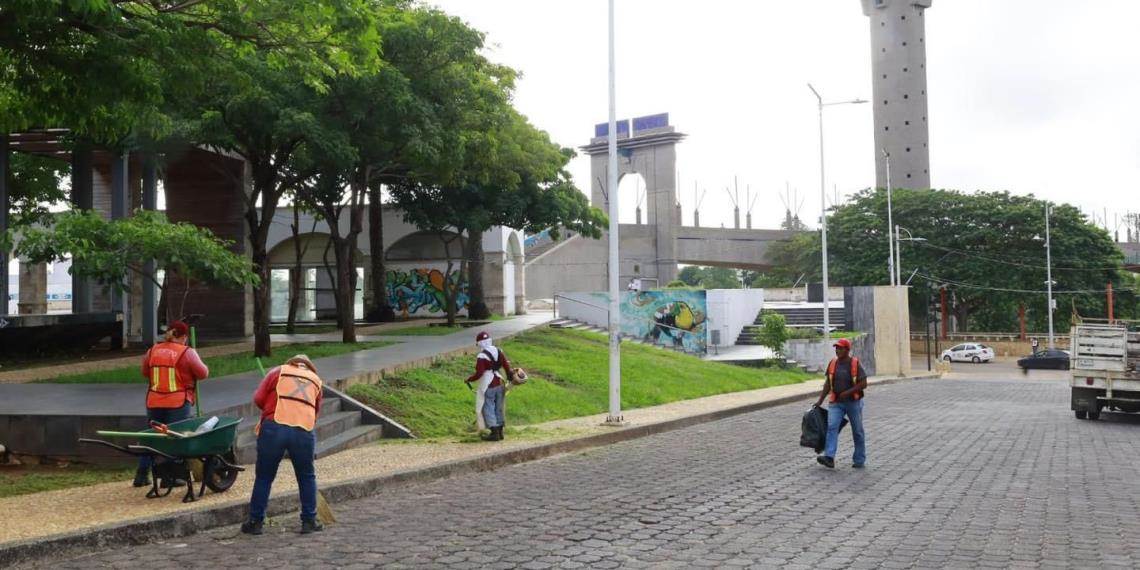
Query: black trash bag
{"type": "Point", "coordinates": [813, 428]}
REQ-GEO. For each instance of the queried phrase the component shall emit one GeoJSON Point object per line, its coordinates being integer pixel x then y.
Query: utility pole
{"type": "Point", "coordinates": [614, 417]}
{"type": "Point", "coordinates": [1049, 277]}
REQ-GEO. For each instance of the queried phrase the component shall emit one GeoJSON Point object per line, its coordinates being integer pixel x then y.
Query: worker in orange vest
{"type": "Point", "coordinates": [843, 387]}
{"type": "Point", "coordinates": [290, 400]}
{"type": "Point", "coordinates": [172, 370]}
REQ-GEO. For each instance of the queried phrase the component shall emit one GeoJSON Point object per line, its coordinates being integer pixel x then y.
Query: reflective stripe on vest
{"type": "Point", "coordinates": [298, 390]}
{"type": "Point", "coordinates": [166, 390]}
{"type": "Point", "coordinates": [831, 378]}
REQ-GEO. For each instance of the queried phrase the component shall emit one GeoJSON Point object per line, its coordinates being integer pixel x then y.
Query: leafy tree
{"type": "Point", "coordinates": [110, 251]}
{"type": "Point", "coordinates": [690, 275]}
{"type": "Point", "coordinates": [677, 284]}
{"type": "Point", "coordinates": [710, 277]}
{"type": "Point", "coordinates": [986, 248]}
{"type": "Point", "coordinates": [774, 332]}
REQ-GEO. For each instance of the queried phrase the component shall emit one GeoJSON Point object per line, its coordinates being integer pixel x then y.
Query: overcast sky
{"type": "Point", "coordinates": [1030, 96]}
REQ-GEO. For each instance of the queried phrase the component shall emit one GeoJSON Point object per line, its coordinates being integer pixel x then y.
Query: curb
{"type": "Point", "coordinates": [146, 530]}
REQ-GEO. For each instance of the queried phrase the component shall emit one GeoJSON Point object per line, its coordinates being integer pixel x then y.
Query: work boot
{"type": "Point", "coordinates": [826, 461]}
{"type": "Point", "coordinates": [142, 477]}
{"type": "Point", "coordinates": [311, 525]}
{"type": "Point", "coordinates": [499, 433]}
{"type": "Point", "coordinates": [489, 436]}
{"type": "Point", "coordinates": [253, 527]}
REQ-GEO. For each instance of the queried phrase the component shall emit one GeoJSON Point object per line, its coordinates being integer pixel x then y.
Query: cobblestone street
{"type": "Point", "coordinates": [960, 473]}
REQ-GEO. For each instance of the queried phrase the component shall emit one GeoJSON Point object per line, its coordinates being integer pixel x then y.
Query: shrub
{"type": "Point", "coordinates": [774, 332]}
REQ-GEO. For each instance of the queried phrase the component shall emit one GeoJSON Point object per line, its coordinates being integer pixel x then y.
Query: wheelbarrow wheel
{"type": "Point", "coordinates": [220, 476]}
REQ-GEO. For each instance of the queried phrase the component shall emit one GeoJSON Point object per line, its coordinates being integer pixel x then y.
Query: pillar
{"type": "Point", "coordinates": [33, 288]}
{"type": "Point", "coordinates": [149, 289]}
{"type": "Point", "coordinates": [120, 207]}
{"type": "Point", "coordinates": [4, 205]}
{"type": "Point", "coordinates": [83, 198]}
{"type": "Point", "coordinates": [520, 284]}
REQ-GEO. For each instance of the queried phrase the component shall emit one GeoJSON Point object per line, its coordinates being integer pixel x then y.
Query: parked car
{"type": "Point", "coordinates": [1049, 359]}
{"type": "Point", "coordinates": [968, 352]}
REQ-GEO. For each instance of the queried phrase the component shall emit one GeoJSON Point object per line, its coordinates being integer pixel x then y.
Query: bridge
{"type": "Point", "coordinates": [646, 146]}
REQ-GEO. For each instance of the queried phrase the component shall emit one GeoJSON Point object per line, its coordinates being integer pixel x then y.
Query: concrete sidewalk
{"type": "Point", "coordinates": [115, 513]}
{"type": "Point", "coordinates": [228, 391]}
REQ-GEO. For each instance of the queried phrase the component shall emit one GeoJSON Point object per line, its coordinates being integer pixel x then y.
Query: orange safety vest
{"type": "Point", "coordinates": [298, 390]}
{"type": "Point", "coordinates": [832, 396]}
{"type": "Point", "coordinates": [168, 389]}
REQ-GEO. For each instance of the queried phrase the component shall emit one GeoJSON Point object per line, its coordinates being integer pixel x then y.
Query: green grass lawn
{"type": "Point", "coordinates": [303, 329]}
{"type": "Point", "coordinates": [224, 365]}
{"type": "Point", "coordinates": [24, 480]}
{"type": "Point", "coordinates": [421, 331]}
{"type": "Point", "coordinates": [569, 378]}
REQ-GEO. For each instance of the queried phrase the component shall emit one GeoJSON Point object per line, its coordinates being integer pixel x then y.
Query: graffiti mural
{"type": "Point", "coordinates": [418, 292]}
{"type": "Point", "coordinates": [673, 318]}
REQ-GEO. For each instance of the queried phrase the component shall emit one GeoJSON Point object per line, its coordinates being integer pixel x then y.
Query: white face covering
{"type": "Point", "coordinates": [485, 344]}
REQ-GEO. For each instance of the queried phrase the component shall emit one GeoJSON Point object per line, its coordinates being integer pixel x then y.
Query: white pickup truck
{"type": "Point", "coordinates": [1104, 362]}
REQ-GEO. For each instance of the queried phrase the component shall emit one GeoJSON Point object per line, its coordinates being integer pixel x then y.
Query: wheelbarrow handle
{"type": "Point", "coordinates": [112, 446]}
{"type": "Point", "coordinates": [147, 450]}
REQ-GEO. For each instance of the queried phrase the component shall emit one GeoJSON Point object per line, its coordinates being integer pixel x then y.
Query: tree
{"type": "Point", "coordinates": [710, 277]}
{"type": "Point", "coordinates": [987, 248]}
{"type": "Point", "coordinates": [774, 332]}
{"type": "Point", "coordinates": [110, 251]}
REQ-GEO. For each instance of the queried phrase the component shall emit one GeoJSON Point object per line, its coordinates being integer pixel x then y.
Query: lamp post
{"type": "Point", "coordinates": [823, 212]}
{"type": "Point", "coordinates": [1049, 276]}
{"type": "Point", "coordinates": [614, 416]}
{"type": "Point", "coordinates": [904, 309]}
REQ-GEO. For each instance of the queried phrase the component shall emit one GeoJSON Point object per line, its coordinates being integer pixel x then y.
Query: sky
{"type": "Point", "coordinates": [1031, 96]}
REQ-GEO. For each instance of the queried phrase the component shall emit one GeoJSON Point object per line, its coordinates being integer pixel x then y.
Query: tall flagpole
{"type": "Point", "coordinates": [614, 416]}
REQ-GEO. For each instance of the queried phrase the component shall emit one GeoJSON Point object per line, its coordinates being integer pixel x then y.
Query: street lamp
{"type": "Point", "coordinates": [904, 311]}
{"type": "Point", "coordinates": [890, 224]}
{"type": "Point", "coordinates": [614, 417]}
{"type": "Point", "coordinates": [823, 210]}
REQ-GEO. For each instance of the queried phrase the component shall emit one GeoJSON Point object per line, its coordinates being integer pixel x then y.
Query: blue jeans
{"type": "Point", "coordinates": [493, 406]}
{"type": "Point", "coordinates": [164, 416]}
{"type": "Point", "coordinates": [854, 413]}
{"type": "Point", "coordinates": [272, 443]}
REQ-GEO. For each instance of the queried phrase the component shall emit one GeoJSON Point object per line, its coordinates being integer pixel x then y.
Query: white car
{"type": "Point", "coordinates": [969, 352]}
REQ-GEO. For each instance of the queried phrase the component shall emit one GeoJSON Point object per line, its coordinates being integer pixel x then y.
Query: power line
{"type": "Point", "coordinates": [940, 280]}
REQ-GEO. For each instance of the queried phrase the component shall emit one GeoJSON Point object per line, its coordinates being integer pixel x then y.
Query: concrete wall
{"type": "Point", "coordinates": [798, 294]}
{"type": "Point", "coordinates": [898, 63]}
{"type": "Point", "coordinates": [815, 354]}
{"type": "Point", "coordinates": [730, 310]}
{"type": "Point", "coordinates": [589, 308]}
{"type": "Point", "coordinates": [889, 332]}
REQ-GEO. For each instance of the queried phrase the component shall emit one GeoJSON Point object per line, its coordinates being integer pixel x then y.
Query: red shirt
{"type": "Point", "coordinates": [190, 365]}
{"type": "Point", "coordinates": [482, 365]}
{"type": "Point", "coordinates": [265, 397]}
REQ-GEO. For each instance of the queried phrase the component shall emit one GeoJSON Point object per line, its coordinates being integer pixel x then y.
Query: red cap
{"type": "Point", "coordinates": [843, 343]}
{"type": "Point", "coordinates": [179, 328]}
{"type": "Point", "coordinates": [482, 336]}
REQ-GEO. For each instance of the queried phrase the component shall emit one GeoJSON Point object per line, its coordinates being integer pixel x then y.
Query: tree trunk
{"type": "Point", "coordinates": [261, 342]}
{"type": "Point", "coordinates": [474, 258]}
{"type": "Point", "coordinates": [379, 309]}
{"type": "Point", "coordinates": [331, 271]}
{"type": "Point", "coordinates": [296, 274]}
{"type": "Point", "coordinates": [345, 290]}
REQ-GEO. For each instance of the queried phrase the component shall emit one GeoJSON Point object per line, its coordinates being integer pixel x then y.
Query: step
{"type": "Point", "coordinates": [348, 439]}
{"type": "Point", "coordinates": [328, 425]}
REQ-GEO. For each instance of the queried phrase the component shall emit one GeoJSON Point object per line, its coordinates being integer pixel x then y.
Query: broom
{"type": "Point", "coordinates": [324, 511]}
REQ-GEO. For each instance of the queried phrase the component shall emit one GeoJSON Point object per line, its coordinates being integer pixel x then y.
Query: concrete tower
{"type": "Point", "coordinates": [898, 63]}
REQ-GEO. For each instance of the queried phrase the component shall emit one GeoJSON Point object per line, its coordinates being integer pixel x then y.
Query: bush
{"type": "Point", "coordinates": [774, 332]}
{"type": "Point", "coordinates": [677, 284]}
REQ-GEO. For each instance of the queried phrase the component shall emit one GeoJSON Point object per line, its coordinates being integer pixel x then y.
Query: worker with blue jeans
{"type": "Point", "coordinates": [844, 386]}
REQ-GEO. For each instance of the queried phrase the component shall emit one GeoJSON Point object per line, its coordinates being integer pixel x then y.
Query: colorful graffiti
{"type": "Point", "coordinates": [420, 291]}
{"type": "Point", "coordinates": [674, 317]}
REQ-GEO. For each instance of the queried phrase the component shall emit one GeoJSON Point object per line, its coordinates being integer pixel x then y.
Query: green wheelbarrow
{"type": "Point", "coordinates": [207, 458]}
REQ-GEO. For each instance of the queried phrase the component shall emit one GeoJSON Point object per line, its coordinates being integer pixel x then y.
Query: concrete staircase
{"type": "Point", "coordinates": [337, 430]}
{"type": "Point", "coordinates": [534, 253]}
{"type": "Point", "coordinates": [803, 317]}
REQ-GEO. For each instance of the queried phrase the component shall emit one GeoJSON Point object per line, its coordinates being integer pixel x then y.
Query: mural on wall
{"type": "Point", "coordinates": [417, 292]}
{"type": "Point", "coordinates": [672, 317]}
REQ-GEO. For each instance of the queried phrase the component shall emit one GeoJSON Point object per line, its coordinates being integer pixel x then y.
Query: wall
{"type": "Point", "coordinates": [889, 358]}
{"type": "Point", "coordinates": [815, 354]}
{"type": "Point", "coordinates": [729, 310]}
{"type": "Point", "coordinates": [642, 315]}
{"type": "Point", "coordinates": [417, 291]}
{"type": "Point", "coordinates": [798, 294]}
{"type": "Point", "coordinates": [581, 264]}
